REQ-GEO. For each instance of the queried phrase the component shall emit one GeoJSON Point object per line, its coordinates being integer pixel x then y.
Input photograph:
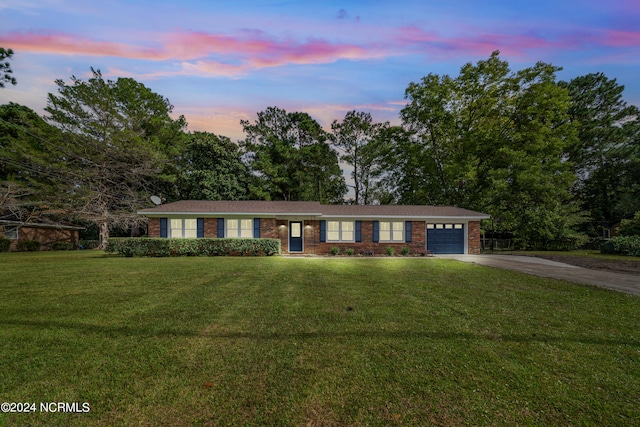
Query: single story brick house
{"type": "Point", "coordinates": [46, 233]}
{"type": "Point", "coordinates": [314, 228]}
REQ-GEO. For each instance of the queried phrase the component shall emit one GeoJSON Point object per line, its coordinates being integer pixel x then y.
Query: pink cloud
{"type": "Point", "coordinates": [189, 45]}
{"type": "Point", "coordinates": [212, 68]}
{"type": "Point", "coordinates": [619, 38]}
{"type": "Point", "coordinates": [201, 53]}
{"type": "Point", "coordinates": [67, 44]}
{"type": "Point", "coordinates": [474, 44]}
{"type": "Point", "coordinates": [234, 54]}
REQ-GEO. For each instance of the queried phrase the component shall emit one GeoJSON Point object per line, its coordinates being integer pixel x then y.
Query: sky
{"type": "Point", "coordinates": [219, 62]}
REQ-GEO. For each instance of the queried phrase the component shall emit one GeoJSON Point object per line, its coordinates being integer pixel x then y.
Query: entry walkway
{"type": "Point", "coordinates": [541, 267]}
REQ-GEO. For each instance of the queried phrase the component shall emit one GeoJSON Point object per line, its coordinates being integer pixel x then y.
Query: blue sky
{"type": "Point", "coordinates": [222, 61]}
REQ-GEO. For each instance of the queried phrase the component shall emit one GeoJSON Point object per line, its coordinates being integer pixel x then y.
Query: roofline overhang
{"type": "Point", "coordinates": [218, 214]}
{"type": "Point", "coordinates": [410, 217]}
{"type": "Point", "coordinates": [316, 215]}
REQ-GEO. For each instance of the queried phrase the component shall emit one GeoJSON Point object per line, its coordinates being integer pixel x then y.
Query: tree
{"type": "Point", "coordinates": [211, 168]}
{"type": "Point", "coordinates": [5, 67]}
{"type": "Point", "coordinates": [118, 137]}
{"type": "Point", "coordinates": [605, 156]}
{"type": "Point", "coordinates": [493, 140]}
{"type": "Point", "coordinates": [630, 227]}
{"type": "Point", "coordinates": [290, 159]}
{"type": "Point", "coordinates": [355, 136]}
{"type": "Point", "coordinates": [29, 180]}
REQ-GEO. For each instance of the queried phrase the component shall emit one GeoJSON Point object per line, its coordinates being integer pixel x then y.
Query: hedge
{"type": "Point", "coordinates": [624, 245]}
{"type": "Point", "coordinates": [161, 247]}
{"type": "Point", "coordinates": [28, 246]}
{"type": "Point", "coordinates": [4, 244]}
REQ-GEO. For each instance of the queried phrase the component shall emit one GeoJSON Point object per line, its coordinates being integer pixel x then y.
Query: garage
{"type": "Point", "coordinates": [445, 238]}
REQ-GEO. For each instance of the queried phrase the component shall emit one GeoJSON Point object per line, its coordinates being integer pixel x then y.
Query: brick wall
{"type": "Point", "coordinates": [474, 238]}
{"type": "Point", "coordinates": [312, 244]}
{"type": "Point", "coordinates": [153, 227]}
{"type": "Point", "coordinates": [269, 228]}
{"type": "Point", "coordinates": [279, 229]}
{"type": "Point", "coordinates": [210, 227]}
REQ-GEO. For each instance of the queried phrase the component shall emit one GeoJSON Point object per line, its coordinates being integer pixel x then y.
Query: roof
{"type": "Point", "coordinates": [315, 209]}
{"type": "Point", "coordinates": [40, 225]}
{"type": "Point", "coordinates": [236, 207]}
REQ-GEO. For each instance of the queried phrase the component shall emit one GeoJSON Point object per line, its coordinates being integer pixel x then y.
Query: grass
{"type": "Point", "coordinates": [311, 342]}
{"type": "Point", "coordinates": [583, 253]}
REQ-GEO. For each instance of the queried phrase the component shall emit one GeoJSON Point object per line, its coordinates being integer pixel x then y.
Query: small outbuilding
{"type": "Point", "coordinates": [48, 234]}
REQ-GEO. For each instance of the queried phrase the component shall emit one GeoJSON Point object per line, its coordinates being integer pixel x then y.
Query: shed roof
{"type": "Point", "coordinates": [40, 225]}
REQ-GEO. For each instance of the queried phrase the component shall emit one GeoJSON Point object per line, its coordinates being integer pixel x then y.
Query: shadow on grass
{"type": "Point", "coordinates": [112, 331]}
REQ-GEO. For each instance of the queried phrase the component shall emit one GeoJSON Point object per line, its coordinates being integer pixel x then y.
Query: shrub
{"type": "Point", "coordinates": [334, 250]}
{"type": "Point", "coordinates": [624, 245]}
{"type": "Point", "coordinates": [62, 246]}
{"type": "Point", "coordinates": [390, 250]}
{"type": "Point", "coordinates": [630, 227]}
{"type": "Point", "coordinates": [161, 247]}
{"type": "Point", "coordinates": [4, 244]}
{"type": "Point", "coordinates": [349, 251]}
{"type": "Point", "coordinates": [405, 251]}
{"type": "Point", "coordinates": [28, 245]}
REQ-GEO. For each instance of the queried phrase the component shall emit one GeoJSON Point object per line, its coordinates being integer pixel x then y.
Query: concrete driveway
{"type": "Point", "coordinates": [541, 267]}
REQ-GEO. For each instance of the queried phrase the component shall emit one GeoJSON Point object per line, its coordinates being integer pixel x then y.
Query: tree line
{"type": "Point", "coordinates": [552, 162]}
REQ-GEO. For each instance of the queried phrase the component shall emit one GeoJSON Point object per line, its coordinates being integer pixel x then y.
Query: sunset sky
{"type": "Point", "coordinates": [222, 61]}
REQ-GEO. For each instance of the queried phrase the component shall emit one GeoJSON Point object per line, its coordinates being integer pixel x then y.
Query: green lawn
{"type": "Point", "coordinates": [310, 342]}
{"type": "Point", "coordinates": [582, 253]}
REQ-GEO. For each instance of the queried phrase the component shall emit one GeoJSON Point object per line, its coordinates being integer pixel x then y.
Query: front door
{"type": "Point", "coordinates": [295, 236]}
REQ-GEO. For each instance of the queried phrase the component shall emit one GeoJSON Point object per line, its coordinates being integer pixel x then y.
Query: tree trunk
{"type": "Point", "coordinates": [104, 234]}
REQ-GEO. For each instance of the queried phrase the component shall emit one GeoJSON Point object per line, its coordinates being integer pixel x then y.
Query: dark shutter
{"type": "Point", "coordinates": [358, 231]}
{"type": "Point", "coordinates": [200, 232]}
{"type": "Point", "coordinates": [323, 231]}
{"type": "Point", "coordinates": [220, 227]}
{"type": "Point", "coordinates": [256, 228]}
{"type": "Point", "coordinates": [407, 231]}
{"type": "Point", "coordinates": [376, 231]}
{"type": "Point", "coordinates": [163, 227]}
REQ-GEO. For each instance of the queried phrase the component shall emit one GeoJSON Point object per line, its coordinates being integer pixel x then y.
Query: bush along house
{"type": "Point", "coordinates": [313, 228]}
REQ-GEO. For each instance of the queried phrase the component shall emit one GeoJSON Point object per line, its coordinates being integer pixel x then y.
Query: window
{"type": "Point", "coordinates": [391, 231]}
{"type": "Point", "coordinates": [11, 233]}
{"type": "Point", "coordinates": [445, 226]}
{"type": "Point", "coordinates": [240, 228]}
{"type": "Point", "coordinates": [296, 229]}
{"type": "Point", "coordinates": [340, 231]}
{"type": "Point", "coordinates": [184, 228]}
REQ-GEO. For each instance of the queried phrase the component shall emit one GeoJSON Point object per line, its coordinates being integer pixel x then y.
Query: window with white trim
{"type": "Point", "coordinates": [340, 231]}
{"type": "Point", "coordinates": [391, 231]}
{"type": "Point", "coordinates": [10, 232]}
{"type": "Point", "coordinates": [242, 228]}
{"type": "Point", "coordinates": [186, 228]}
